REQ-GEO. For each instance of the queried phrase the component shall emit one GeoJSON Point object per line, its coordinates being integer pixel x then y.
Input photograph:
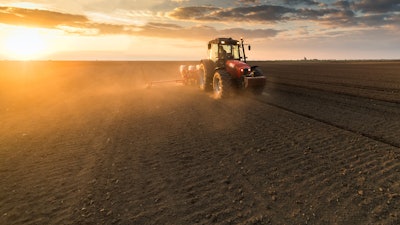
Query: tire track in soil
{"type": "Point", "coordinates": [257, 201]}
{"type": "Point", "coordinates": [389, 140]}
{"type": "Point", "coordinates": [47, 167]}
{"type": "Point", "coordinates": [336, 180]}
{"type": "Point", "coordinates": [384, 176]}
{"type": "Point", "coordinates": [373, 80]}
{"type": "Point", "coordinates": [389, 95]}
{"type": "Point", "coordinates": [170, 175]}
{"type": "Point", "coordinates": [351, 192]}
{"type": "Point", "coordinates": [372, 159]}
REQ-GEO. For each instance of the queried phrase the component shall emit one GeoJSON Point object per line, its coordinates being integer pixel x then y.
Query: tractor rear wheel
{"type": "Point", "coordinates": [222, 84]}
{"type": "Point", "coordinates": [206, 73]}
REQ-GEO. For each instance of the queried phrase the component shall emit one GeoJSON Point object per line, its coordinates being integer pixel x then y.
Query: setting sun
{"type": "Point", "coordinates": [25, 43]}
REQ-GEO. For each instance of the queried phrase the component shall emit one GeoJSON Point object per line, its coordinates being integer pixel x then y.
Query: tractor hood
{"type": "Point", "coordinates": [237, 68]}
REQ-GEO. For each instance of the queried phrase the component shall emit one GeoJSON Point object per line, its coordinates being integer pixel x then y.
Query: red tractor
{"type": "Point", "coordinates": [225, 70]}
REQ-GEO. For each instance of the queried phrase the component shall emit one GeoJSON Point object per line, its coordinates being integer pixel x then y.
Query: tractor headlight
{"type": "Point", "coordinates": [245, 71]}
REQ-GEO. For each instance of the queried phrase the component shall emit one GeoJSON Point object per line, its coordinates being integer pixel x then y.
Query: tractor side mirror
{"type": "Point", "coordinates": [209, 46]}
{"type": "Point", "coordinates": [249, 47]}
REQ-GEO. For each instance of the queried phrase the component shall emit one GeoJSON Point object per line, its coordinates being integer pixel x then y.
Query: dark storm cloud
{"type": "Point", "coordinates": [41, 18]}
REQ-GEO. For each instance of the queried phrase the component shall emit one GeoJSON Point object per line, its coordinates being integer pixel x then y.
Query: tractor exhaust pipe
{"type": "Point", "coordinates": [244, 53]}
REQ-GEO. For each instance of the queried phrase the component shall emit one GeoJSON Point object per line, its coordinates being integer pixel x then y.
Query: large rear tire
{"type": "Point", "coordinates": [222, 84]}
{"type": "Point", "coordinates": [206, 73]}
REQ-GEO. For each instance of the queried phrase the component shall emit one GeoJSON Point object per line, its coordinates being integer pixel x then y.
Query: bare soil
{"type": "Point", "coordinates": [87, 143]}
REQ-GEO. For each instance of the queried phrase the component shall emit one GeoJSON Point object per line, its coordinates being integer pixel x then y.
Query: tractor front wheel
{"type": "Point", "coordinates": [222, 84]}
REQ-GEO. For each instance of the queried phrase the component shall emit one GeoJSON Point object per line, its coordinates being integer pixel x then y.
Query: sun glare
{"type": "Point", "coordinates": [25, 44]}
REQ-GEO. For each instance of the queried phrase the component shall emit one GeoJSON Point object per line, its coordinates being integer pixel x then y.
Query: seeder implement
{"type": "Point", "coordinates": [152, 83]}
{"type": "Point", "coordinates": [189, 74]}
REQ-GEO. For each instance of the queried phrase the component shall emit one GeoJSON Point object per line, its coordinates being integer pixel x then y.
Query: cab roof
{"type": "Point", "coordinates": [227, 41]}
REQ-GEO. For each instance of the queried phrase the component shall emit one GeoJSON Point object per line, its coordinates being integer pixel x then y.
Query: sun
{"type": "Point", "coordinates": [25, 44]}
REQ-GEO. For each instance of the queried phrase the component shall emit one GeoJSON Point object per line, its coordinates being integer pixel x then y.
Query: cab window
{"type": "Point", "coordinates": [213, 52]}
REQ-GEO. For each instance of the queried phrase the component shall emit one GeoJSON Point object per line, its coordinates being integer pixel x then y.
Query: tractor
{"type": "Point", "coordinates": [226, 71]}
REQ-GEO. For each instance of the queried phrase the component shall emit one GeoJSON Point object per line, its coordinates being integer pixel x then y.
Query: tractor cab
{"type": "Point", "coordinates": [222, 49]}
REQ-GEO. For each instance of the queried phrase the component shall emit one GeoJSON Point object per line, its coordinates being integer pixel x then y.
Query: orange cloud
{"type": "Point", "coordinates": [38, 18]}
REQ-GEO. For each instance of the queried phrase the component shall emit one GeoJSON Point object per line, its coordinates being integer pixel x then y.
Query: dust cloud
{"type": "Point", "coordinates": [35, 93]}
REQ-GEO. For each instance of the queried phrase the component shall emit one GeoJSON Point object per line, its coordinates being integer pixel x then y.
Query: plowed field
{"type": "Point", "coordinates": [87, 143]}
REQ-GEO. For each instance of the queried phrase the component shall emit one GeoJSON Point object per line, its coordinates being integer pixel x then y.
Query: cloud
{"type": "Point", "coordinates": [339, 14]}
{"type": "Point", "coordinates": [381, 6]}
{"type": "Point", "coordinates": [260, 13]}
{"type": "Point", "coordinates": [255, 33]}
{"type": "Point", "coordinates": [300, 2]}
{"type": "Point", "coordinates": [201, 32]}
{"type": "Point", "coordinates": [69, 23]}
{"type": "Point", "coordinates": [195, 13]}
{"type": "Point", "coordinates": [249, 2]}
{"type": "Point", "coordinates": [313, 14]}
{"type": "Point", "coordinates": [342, 18]}
{"type": "Point", "coordinates": [78, 24]}
{"type": "Point", "coordinates": [265, 13]}
{"type": "Point", "coordinates": [179, 1]}
{"type": "Point", "coordinates": [40, 18]}
{"type": "Point", "coordinates": [255, 14]}
{"type": "Point", "coordinates": [343, 4]}
{"type": "Point", "coordinates": [365, 13]}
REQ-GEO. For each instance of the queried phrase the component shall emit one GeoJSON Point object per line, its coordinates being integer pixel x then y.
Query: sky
{"type": "Point", "coordinates": [181, 29]}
